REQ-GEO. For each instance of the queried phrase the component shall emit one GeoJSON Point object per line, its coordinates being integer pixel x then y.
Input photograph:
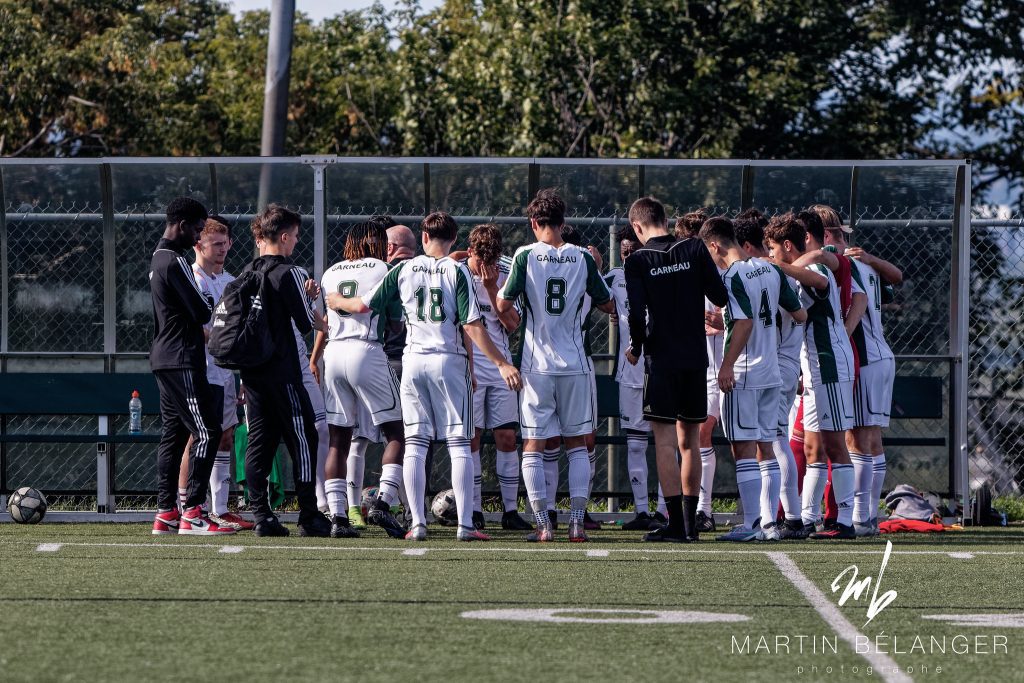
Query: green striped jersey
{"type": "Point", "coordinates": [827, 355]}
{"type": "Point", "coordinates": [791, 336]}
{"type": "Point", "coordinates": [625, 374]}
{"type": "Point", "coordinates": [868, 336]}
{"type": "Point", "coordinates": [351, 279]}
{"type": "Point", "coordinates": [757, 289]}
{"type": "Point", "coordinates": [437, 297]}
{"type": "Point", "coordinates": [554, 283]}
{"type": "Point", "coordinates": [486, 372]}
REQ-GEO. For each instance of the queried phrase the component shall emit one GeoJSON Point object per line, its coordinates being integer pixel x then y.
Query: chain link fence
{"type": "Point", "coordinates": [78, 237]}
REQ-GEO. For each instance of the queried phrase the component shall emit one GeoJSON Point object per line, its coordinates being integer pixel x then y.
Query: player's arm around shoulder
{"type": "Point", "coordinates": [788, 299]}
{"type": "Point", "coordinates": [819, 256]}
{"type": "Point", "coordinates": [596, 287]}
{"type": "Point", "coordinates": [515, 284]}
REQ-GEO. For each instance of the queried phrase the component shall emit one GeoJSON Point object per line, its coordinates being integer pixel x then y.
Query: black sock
{"type": "Point", "coordinates": [690, 516]}
{"type": "Point", "coordinates": [676, 525]}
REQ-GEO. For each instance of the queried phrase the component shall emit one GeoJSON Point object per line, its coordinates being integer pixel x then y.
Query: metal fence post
{"type": "Point", "coordinates": [109, 262]}
{"type": "Point", "coordinates": [961, 352]}
{"type": "Point", "coordinates": [613, 347]}
{"type": "Point", "coordinates": [319, 222]}
{"type": "Point", "coordinates": [746, 187]}
{"type": "Point", "coordinates": [5, 293]}
{"type": "Point", "coordinates": [104, 500]}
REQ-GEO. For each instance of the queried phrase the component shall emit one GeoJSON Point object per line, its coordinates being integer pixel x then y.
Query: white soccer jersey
{"type": "Point", "coordinates": [214, 286]}
{"type": "Point", "coordinates": [350, 279]}
{"type": "Point", "coordinates": [826, 356]}
{"type": "Point", "coordinates": [757, 290]}
{"type": "Point", "coordinates": [869, 336]}
{"type": "Point", "coordinates": [437, 297]}
{"type": "Point", "coordinates": [553, 283]}
{"type": "Point", "coordinates": [625, 374]}
{"type": "Point", "coordinates": [484, 370]}
{"type": "Point", "coordinates": [791, 336]}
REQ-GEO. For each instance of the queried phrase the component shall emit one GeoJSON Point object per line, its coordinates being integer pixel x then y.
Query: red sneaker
{"type": "Point", "coordinates": [233, 520]}
{"type": "Point", "coordinates": [166, 523]}
{"type": "Point", "coordinates": [196, 523]}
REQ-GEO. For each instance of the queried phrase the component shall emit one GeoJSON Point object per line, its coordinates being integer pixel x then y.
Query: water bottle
{"type": "Point", "coordinates": [135, 414]}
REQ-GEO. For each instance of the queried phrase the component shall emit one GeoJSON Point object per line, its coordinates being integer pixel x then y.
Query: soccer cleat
{"type": "Point", "coordinates": [790, 528]}
{"type": "Point", "coordinates": [196, 523]}
{"type": "Point", "coordinates": [271, 526]}
{"type": "Point", "coordinates": [417, 533]}
{"type": "Point", "coordinates": [553, 518]}
{"type": "Point", "coordinates": [705, 523]}
{"type": "Point", "coordinates": [355, 518]}
{"type": "Point", "coordinates": [660, 518]}
{"type": "Point", "coordinates": [589, 523]}
{"type": "Point", "coordinates": [514, 522]}
{"type": "Point", "coordinates": [863, 530]}
{"type": "Point", "coordinates": [317, 526]}
{"type": "Point", "coordinates": [740, 534]}
{"type": "Point", "coordinates": [341, 528]}
{"type": "Point", "coordinates": [770, 532]}
{"type": "Point", "coordinates": [467, 534]}
{"type": "Point", "coordinates": [478, 520]}
{"type": "Point", "coordinates": [577, 531]}
{"type": "Point", "coordinates": [233, 520]}
{"type": "Point", "coordinates": [166, 523]}
{"type": "Point", "coordinates": [543, 534]}
{"type": "Point", "coordinates": [840, 532]}
{"type": "Point", "coordinates": [642, 522]}
{"type": "Point", "coordinates": [380, 515]}
{"type": "Point", "coordinates": [664, 534]}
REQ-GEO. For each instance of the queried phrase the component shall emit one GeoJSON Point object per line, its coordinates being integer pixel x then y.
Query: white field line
{"type": "Point", "coordinates": [886, 667]}
{"type": "Point", "coordinates": [597, 553]}
{"type": "Point", "coordinates": [48, 547]}
{"type": "Point", "coordinates": [415, 552]}
{"type": "Point", "coordinates": [962, 556]}
{"type": "Point", "coordinates": [848, 551]}
{"type": "Point", "coordinates": [232, 549]}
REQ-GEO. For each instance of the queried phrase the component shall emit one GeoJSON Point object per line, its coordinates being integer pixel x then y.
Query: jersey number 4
{"type": "Point", "coordinates": [764, 311]}
{"type": "Point", "coordinates": [436, 311]}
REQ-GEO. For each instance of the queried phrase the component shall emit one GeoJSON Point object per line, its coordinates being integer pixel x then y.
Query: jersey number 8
{"type": "Point", "coordinates": [554, 302]}
{"type": "Point", "coordinates": [347, 290]}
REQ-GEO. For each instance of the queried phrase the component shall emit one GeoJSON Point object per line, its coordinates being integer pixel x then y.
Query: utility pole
{"type": "Point", "coordinates": [275, 91]}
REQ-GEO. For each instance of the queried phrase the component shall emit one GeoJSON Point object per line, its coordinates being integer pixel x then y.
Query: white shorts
{"type": "Point", "coordinates": [828, 407]}
{"type": "Point", "coordinates": [715, 347]}
{"type": "Point", "coordinates": [494, 407]}
{"type": "Point", "coordinates": [555, 405]}
{"type": "Point", "coordinates": [437, 396]}
{"type": "Point", "coordinates": [230, 418]}
{"type": "Point", "coordinates": [787, 395]}
{"type": "Point", "coordinates": [714, 399]}
{"type": "Point", "coordinates": [631, 409]}
{"type": "Point", "coordinates": [316, 394]}
{"type": "Point", "coordinates": [750, 414]}
{"type": "Point", "coordinates": [357, 374]}
{"type": "Point", "coordinates": [872, 394]}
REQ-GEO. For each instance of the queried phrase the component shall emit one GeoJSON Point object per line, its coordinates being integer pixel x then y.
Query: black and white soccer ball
{"type": "Point", "coordinates": [367, 499]}
{"type": "Point", "coordinates": [444, 509]}
{"type": "Point", "coordinates": [27, 505]}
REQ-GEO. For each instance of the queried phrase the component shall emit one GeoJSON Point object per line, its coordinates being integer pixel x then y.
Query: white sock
{"type": "Point", "coordinates": [220, 483]}
{"type": "Point", "coordinates": [355, 466]}
{"type": "Point", "coordinates": [478, 482]}
{"type": "Point", "coordinates": [579, 473]}
{"type": "Point", "coordinates": [790, 492]}
{"type": "Point", "coordinates": [863, 475]}
{"type": "Point", "coordinates": [636, 463]}
{"type": "Point", "coordinates": [462, 479]}
{"type": "Point", "coordinates": [815, 479]}
{"type": "Point", "coordinates": [507, 466]}
{"type": "Point", "coordinates": [771, 483]}
{"type": "Point", "coordinates": [403, 497]}
{"type": "Point", "coordinates": [843, 488]}
{"type": "Point", "coordinates": [592, 457]}
{"type": "Point", "coordinates": [337, 500]}
{"type": "Point", "coordinates": [182, 498]}
{"type": "Point", "coordinates": [323, 442]}
{"type": "Point", "coordinates": [708, 464]}
{"type": "Point", "coordinates": [662, 507]}
{"type": "Point", "coordinates": [877, 482]}
{"type": "Point", "coordinates": [748, 481]}
{"type": "Point", "coordinates": [551, 476]}
{"type": "Point", "coordinates": [414, 471]}
{"type": "Point", "coordinates": [533, 477]}
{"type": "Point", "coordinates": [390, 483]}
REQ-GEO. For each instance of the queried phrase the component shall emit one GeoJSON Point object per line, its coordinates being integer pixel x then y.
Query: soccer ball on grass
{"type": "Point", "coordinates": [443, 508]}
{"type": "Point", "coordinates": [27, 505]}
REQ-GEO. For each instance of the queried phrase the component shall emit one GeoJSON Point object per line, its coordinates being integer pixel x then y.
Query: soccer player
{"type": "Point", "coordinates": [826, 362]}
{"type": "Point", "coordinates": [208, 269]}
{"type": "Point", "coordinates": [357, 375]}
{"type": "Point", "coordinates": [553, 278]}
{"type": "Point", "coordinates": [667, 280]}
{"type": "Point", "coordinates": [631, 392]}
{"type": "Point", "coordinates": [495, 406]}
{"type": "Point", "coordinates": [188, 404]}
{"type": "Point", "coordinates": [872, 393]}
{"type": "Point", "coordinates": [749, 377]}
{"type": "Point", "coordinates": [440, 306]}
{"type": "Point", "coordinates": [277, 402]}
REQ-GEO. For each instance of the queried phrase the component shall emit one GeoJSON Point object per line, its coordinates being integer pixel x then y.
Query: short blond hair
{"type": "Point", "coordinates": [214, 227]}
{"type": "Point", "coordinates": [829, 217]}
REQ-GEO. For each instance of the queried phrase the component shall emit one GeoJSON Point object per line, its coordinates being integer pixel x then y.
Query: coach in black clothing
{"type": "Point", "coordinates": [277, 405]}
{"type": "Point", "coordinates": [666, 282]}
{"type": "Point", "coordinates": [178, 359]}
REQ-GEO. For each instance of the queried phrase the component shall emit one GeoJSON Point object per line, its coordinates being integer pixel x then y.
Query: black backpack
{"type": "Point", "coordinates": [240, 332]}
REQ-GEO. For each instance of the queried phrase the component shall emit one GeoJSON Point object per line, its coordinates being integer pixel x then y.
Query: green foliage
{"type": "Point", "coordinates": [1013, 506]}
{"type": "Point", "coordinates": [637, 78]}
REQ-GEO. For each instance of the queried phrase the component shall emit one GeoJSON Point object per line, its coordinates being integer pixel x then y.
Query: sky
{"type": "Point", "coordinates": [321, 9]}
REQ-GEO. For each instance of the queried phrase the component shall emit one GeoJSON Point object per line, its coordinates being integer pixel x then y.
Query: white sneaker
{"type": "Point", "coordinates": [417, 533]}
{"type": "Point", "coordinates": [771, 532]}
{"type": "Point", "coordinates": [740, 534]}
{"type": "Point", "coordinates": [864, 530]}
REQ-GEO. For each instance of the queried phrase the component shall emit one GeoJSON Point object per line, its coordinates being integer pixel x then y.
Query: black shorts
{"type": "Point", "coordinates": [676, 395]}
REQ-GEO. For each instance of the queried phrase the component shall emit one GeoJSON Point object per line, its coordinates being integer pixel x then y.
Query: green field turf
{"type": "Point", "coordinates": [113, 602]}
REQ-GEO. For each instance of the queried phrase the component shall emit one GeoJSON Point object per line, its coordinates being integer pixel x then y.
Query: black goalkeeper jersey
{"type": "Point", "coordinates": [666, 282]}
